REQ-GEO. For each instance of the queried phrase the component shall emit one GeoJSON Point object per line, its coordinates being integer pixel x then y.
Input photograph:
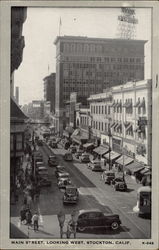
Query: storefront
{"type": "Point", "coordinates": [123, 160]}
{"type": "Point", "coordinates": [111, 157]}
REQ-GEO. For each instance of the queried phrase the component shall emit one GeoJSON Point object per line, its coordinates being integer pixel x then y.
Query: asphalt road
{"type": "Point", "coordinates": [93, 194]}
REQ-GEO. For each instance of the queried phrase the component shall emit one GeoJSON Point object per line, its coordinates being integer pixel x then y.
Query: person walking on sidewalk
{"type": "Point", "coordinates": [35, 220]}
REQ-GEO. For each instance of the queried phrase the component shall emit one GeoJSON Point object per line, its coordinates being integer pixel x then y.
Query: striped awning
{"type": "Point", "coordinates": [101, 150]}
{"type": "Point", "coordinates": [113, 155]}
{"type": "Point", "coordinates": [124, 159]}
{"type": "Point", "coordinates": [135, 167]}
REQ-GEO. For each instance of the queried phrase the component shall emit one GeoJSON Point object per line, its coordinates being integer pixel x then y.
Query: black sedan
{"type": "Point", "coordinates": [95, 218]}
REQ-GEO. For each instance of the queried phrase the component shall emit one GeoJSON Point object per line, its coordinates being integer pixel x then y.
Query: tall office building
{"type": "Point", "coordinates": [89, 65]}
{"type": "Point", "coordinates": [49, 90]}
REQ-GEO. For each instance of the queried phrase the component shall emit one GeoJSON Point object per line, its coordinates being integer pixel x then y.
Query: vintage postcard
{"type": "Point", "coordinates": [79, 124]}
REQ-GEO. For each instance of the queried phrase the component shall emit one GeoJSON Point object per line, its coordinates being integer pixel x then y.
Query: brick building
{"type": "Point", "coordinates": [89, 65]}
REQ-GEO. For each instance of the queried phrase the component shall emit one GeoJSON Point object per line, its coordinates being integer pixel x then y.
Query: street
{"type": "Point", "coordinates": [94, 193]}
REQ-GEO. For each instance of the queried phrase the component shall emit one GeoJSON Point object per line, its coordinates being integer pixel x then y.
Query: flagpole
{"type": "Point", "coordinates": [60, 26]}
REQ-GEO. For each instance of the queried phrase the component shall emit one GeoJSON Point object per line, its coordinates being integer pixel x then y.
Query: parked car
{"type": "Point", "coordinates": [95, 218]}
{"type": "Point", "coordinates": [66, 145]}
{"type": "Point", "coordinates": [108, 176]}
{"type": "Point", "coordinates": [59, 169]}
{"type": "Point", "coordinates": [73, 149]}
{"type": "Point", "coordinates": [52, 160]}
{"type": "Point", "coordinates": [78, 153]}
{"type": "Point", "coordinates": [44, 182]}
{"type": "Point", "coordinates": [68, 156]}
{"type": "Point", "coordinates": [71, 195]}
{"type": "Point", "coordinates": [40, 143]}
{"type": "Point", "coordinates": [39, 164]}
{"type": "Point", "coordinates": [95, 166]}
{"type": "Point", "coordinates": [63, 182]}
{"type": "Point", "coordinates": [85, 158]}
{"type": "Point", "coordinates": [62, 175]}
{"type": "Point", "coordinates": [43, 171]}
{"type": "Point", "coordinates": [54, 144]}
{"type": "Point", "coordinates": [119, 184]}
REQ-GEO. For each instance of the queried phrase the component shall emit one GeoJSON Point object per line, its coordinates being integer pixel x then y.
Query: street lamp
{"type": "Point", "coordinates": [110, 135]}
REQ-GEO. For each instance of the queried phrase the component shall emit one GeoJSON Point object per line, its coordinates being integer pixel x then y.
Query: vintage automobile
{"type": "Point", "coordinates": [95, 166]}
{"type": "Point", "coordinates": [52, 161]}
{"type": "Point", "coordinates": [40, 142]}
{"type": "Point", "coordinates": [119, 184]}
{"type": "Point", "coordinates": [59, 169]}
{"type": "Point", "coordinates": [85, 158]}
{"type": "Point", "coordinates": [42, 171]}
{"type": "Point", "coordinates": [62, 175]}
{"type": "Point", "coordinates": [72, 149]}
{"type": "Point", "coordinates": [63, 182]}
{"type": "Point", "coordinates": [108, 176]}
{"type": "Point", "coordinates": [79, 153]}
{"type": "Point", "coordinates": [71, 195]}
{"type": "Point", "coordinates": [44, 182]}
{"type": "Point", "coordinates": [54, 144]}
{"type": "Point", "coordinates": [96, 219]}
{"type": "Point", "coordinates": [68, 156]}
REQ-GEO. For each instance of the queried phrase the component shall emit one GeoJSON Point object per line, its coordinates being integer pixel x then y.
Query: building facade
{"type": "Point", "coordinates": [49, 90]}
{"type": "Point", "coordinates": [89, 65]}
{"type": "Point", "coordinates": [121, 118]}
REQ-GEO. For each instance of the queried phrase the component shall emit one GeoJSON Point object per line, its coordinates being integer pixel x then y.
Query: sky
{"type": "Point", "coordinates": [42, 27]}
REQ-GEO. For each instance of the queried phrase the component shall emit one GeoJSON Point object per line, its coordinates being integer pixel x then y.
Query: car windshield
{"type": "Point", "coordinates": [71, 190]}
{"type": "Point", "coordinates": [110, 174]}
{"type": "Point", "coordinates": [119, 179]}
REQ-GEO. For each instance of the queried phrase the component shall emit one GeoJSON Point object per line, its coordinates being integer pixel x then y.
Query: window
{"type": "Point", "coordinates": [96, 125]}
{"type": "Point", "coordinates": [105, 109]}
{"type": "Point", "coordinates": [102, 126]}
{"type": "Point", "coordinates": [99, 109]}
{"type": "Point", "coordinates": [96, 109]}
{"type": "Point", "coordinates": [99, 125]}
{"type": "Point", "coordinates": [102, 109]}
{"type": "Point", "coordinates": [108, 110]}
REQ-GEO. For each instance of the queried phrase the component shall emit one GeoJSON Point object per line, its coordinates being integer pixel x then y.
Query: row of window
{"type": "Point", "coordinates": [102, 66]}
{"type": "Point", "coordinates": [104, 109]}
{"type": "Point", "coordinates": [104, 127]}
{"type": "Point", "coordinates": [88, 47]}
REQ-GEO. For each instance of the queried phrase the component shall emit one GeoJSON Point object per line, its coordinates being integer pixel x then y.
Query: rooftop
{"type": "Point", "coordinates": [96, 39]}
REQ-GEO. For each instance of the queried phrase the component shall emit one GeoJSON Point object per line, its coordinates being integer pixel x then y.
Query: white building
{"type": "Point", "coordinates": [125, 111]}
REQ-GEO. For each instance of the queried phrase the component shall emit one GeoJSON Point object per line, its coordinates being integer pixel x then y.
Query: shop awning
{"type": "Point", "coordinates": [88, 145]}
{"type": "Point", "coordinates": [135, 167]}
{"type": "Point", "coordinates": [113, 155]}
{"type": "Point", "coordinates": [79, 138]}
{"type": "Point", "coordinates": [101, 150]}
{"type": "Point", "coordinates": [145, 171]}
{"type": "Point", "coordinates": [124, 159]}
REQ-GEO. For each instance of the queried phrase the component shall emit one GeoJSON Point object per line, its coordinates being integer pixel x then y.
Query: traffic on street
{"type": "Point", "coordinates": [66, 181]}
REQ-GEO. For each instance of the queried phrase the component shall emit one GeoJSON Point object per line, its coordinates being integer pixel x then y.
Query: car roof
{"type": "Point", "coordinates": [82, 211]}
{"type": "Point", "coordinates": [109, 171]}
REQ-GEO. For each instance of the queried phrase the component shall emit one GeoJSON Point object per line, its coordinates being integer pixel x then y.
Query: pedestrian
{"type": "Point", "coordinates": [28, 217]}
{"type": "Point", "coordinates": [35, 220]}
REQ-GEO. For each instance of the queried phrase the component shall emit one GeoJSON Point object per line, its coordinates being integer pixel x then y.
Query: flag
{"type": "Point", "coordinates": [60, 21]}
{"type": "Point", "coordinates": [48, 68]}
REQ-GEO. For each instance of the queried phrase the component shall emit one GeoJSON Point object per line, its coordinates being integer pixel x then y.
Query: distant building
{"type": "Point", "coordinates": [89, 65]}
{"type": "Point", "coordinates": [37, 109]}
{"type": "Point", "coordinates": [49, 90]}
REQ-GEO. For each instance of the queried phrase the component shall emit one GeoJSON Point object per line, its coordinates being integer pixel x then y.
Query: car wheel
{"type": "Point", "coordinates": [81, 229]}
{"type": "Point", "coordinates": [114, 225]}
